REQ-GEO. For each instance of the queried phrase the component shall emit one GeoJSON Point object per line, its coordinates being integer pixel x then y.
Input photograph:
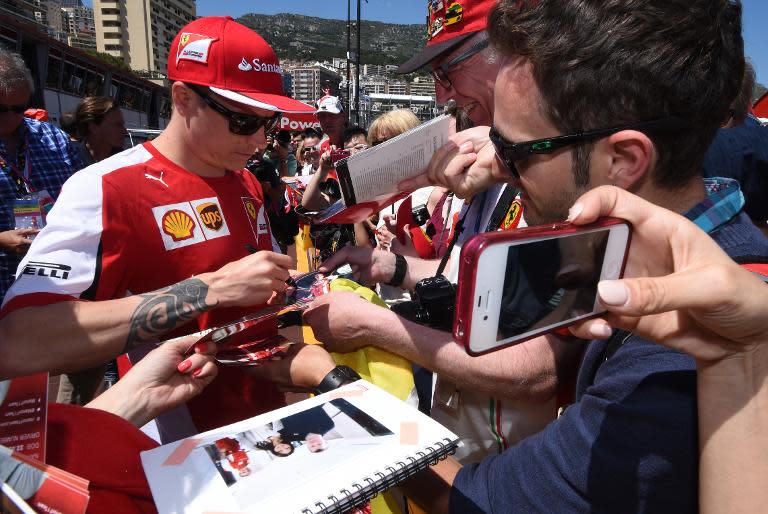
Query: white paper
{"type": "Point", "coordinates": [375, 172]}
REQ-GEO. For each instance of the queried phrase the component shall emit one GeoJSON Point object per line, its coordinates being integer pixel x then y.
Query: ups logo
{"type": "Point", "coordinates": [210, 215]}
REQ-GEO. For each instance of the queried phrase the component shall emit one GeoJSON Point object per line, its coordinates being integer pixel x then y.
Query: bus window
{"type": "Point", "coordinates": [129, 97]}
{"type": "Point", "coordinates": [54, 73]}
{"type": "Point", "coordinates": [165, 107]}
{"type": "Point", "coordinates": [93, 82]}
{"type": "Point", "coordinates": [71, 83]}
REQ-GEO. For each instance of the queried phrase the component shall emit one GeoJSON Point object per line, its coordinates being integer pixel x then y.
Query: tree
{"type": "Point", "coordinates": [110, 59]}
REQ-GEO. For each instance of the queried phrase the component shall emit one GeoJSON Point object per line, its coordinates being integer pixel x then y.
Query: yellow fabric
{"type": "Point", "coordinates": [391, 372]}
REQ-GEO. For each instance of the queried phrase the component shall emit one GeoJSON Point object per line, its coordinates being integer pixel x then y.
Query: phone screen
{"type": "Point", "coordinates": [550, 281]}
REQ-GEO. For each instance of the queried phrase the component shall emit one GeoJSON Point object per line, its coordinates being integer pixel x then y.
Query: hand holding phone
{"type": "Point", "coordinates": [524, 283]}
{"type": "Point", "coordinates": [337, 155]}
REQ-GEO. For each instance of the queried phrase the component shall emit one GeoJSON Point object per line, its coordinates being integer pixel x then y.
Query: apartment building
{"type": "Point", "coordinates": [140, 31]}
{"type": "Point", "coordinates": [397, 87]}
{"type": "Point", "coordinates": [422, 86]}
{"type": "Point", "coordinates": [79, 25]}
{"type": "Point", "coordinates": [32, 10]}
{"type": "Point", "coordinates": [310, 81]}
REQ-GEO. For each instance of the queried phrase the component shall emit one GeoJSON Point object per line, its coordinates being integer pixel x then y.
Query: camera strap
{"type": "Point", "coordinates": [457, 230]}
{"type": "Point", "coordinates": [502, 208]}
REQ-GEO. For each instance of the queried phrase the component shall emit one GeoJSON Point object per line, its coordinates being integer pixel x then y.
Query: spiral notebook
{"type": "Point", "coordinates": [327, 454]}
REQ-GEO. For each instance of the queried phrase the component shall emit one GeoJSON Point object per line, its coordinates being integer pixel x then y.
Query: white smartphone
{"type": "Point", "coordinates": [524, 283]}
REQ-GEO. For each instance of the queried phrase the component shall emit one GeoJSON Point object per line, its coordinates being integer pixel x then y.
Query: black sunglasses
{"type": "Point", "coordinates": [508, 152]}
{"type": "Point", "coordinates": [18, 109]}
{"type": "Point", "coordinates": [440, 73]}
{"type": "Point", "coordinates": [239, 123]}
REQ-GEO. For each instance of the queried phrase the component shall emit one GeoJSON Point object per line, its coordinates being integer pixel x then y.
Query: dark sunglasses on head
{"type": "Point", "coordinates": [440, 73]}
{"type": "Point", "coordinates": [508, 152]}
{"type": "Point", "coordinates": [239, 123]}
{"type": "Point", "coordinates": [18, 109]}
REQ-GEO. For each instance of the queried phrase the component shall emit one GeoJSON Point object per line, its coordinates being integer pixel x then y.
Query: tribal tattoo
{"type": "Point", "coordinates": [165, 309]}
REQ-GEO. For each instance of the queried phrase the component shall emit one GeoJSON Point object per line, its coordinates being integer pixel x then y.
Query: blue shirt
{"type": "Point", "coordinates": [630, 442]}
{"type": "Point", "coordinates": [741, 153]}
{"type": "Point", "coordinates": [52, 160]}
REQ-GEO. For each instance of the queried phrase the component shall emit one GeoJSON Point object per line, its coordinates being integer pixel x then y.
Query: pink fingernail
{"type": "Point", "coordinates": [184, 366]}
{"type": "Point", "coordinates": [197, 372]}
{"type": "Point", "coordinates": [201, 347]}
{"type": "Point", "coordinates": [613, 293]}
{"type": "Point", "coordinates": [574, 211]}
{"type": "Point", "coordinates": [600, 331]}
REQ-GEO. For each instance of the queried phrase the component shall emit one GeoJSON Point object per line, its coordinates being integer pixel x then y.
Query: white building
{"type": "Point", "coordinates": [140, 32]}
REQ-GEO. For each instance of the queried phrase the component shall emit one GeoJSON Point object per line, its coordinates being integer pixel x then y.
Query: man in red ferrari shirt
{"type": "Point", "coordinates": [167, 238]}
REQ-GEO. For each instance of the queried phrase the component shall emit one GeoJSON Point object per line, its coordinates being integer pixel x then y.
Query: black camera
{"type": "Point", "coordinates": [420, 214]}
{"type": "Point", "coordinates": [433, 304]}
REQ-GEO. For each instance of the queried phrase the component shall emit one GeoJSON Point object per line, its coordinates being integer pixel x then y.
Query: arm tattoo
{"type": "Point", "coordinates": [165, 309]}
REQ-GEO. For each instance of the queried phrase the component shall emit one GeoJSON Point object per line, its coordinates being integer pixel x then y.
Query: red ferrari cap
{"type": "Point", "coordinates": [449, 23]}
{"type": "Point", "coordinates": [233, 61]}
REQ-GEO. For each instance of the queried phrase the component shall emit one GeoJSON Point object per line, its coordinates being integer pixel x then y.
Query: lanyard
{"type": "Point", "coordinates": [480, 202]}
{"type": "Point", "coordinates": [502, 206]}
{"type": "Point", "coordinates": [23, 186]}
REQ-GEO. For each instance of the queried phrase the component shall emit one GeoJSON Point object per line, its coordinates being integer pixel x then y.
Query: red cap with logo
{"type": "Point", "coordinates": [233, 61]}
{"type": "Point", "coordinates": [449, 23]}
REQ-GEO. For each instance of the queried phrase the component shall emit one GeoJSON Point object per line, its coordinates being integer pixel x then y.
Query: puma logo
{"type": "Point", "coordinates": [152, 177]}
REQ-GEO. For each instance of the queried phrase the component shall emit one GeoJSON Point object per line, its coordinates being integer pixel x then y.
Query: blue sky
{"type": "Point", "coordinates": [414, 11]}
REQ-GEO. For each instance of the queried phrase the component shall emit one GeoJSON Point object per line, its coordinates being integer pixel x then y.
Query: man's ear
{"type": "Point", "coordinates": [182, 96]}
{"type": "Point", "coordinates": [632, 156]}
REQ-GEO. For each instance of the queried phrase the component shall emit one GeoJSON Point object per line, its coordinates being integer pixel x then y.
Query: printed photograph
{"type": "Point", "coordinates": [272, 458]}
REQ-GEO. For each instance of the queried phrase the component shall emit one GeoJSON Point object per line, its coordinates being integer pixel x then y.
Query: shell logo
{"type": "Point", "coordinates": [178, 224]}
{"type": "Point", "coordinates": [251, 209]}
{"type": "Point", "coordinates": [210, 215]}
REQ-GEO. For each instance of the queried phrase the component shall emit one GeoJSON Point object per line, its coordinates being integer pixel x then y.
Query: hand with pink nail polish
{"type": "Point", "coordinates": [680, 289]}
{"type": "Point", "coordinates": [162, 380]}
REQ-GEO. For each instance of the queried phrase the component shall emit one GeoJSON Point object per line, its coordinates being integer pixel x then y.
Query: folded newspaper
{"type": "Point", "coordinates": [369, 179]}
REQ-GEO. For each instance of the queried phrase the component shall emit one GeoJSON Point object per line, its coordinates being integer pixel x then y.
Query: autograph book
{"type": "Point", "coordinates": [326, 454]}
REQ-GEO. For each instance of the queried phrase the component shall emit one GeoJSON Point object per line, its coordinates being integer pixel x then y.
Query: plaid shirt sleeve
{"type": "Point", "coordinates": [52, 160]}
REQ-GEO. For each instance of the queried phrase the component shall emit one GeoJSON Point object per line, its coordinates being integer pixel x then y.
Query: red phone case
{"type": "Point", "coordinates": [470, 255]}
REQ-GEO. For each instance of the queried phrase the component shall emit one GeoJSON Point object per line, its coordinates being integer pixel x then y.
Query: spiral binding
{"type": "Point", "coordinates": [346, 500]}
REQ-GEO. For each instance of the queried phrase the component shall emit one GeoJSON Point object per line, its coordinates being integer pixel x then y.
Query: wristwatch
{"type": "Point", "coordinates": [401, 268]}
{"type": "Point", "coordinates": [337, 377]}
